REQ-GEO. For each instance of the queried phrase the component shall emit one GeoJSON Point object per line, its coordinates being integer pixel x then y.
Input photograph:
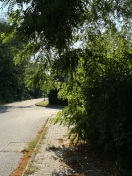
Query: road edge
{"type": "Point", "coordinates": [38, 145]}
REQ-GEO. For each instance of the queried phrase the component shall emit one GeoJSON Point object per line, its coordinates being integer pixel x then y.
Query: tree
{"type": "Point", "coordinates": [100, 99]}
{"type": "Point", "coordinates": [54, 26]}
{"type": "Point", "coordinates": [12, 74]}
{"type": "Point", "coordinates": [54, 23]}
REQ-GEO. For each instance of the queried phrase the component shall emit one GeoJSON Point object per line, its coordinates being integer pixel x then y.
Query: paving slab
{"type": "Point", "coordinates": [50, 160]}
{"type": "Point", "coordinates": [11, 158]}
{"type": "Point", "coordinates": [19, 124]}
{"type": "Point", "coordinates": [15, 147]}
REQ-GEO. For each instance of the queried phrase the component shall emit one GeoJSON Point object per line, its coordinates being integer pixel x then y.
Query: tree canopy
{"type": "Point", "coordinates": [54, 23]}
{"type": "Point", "coordinates": [13, 75]}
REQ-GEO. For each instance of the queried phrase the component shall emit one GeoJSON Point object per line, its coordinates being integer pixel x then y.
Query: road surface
{"type": "Point", "coordinates": [19, 124]}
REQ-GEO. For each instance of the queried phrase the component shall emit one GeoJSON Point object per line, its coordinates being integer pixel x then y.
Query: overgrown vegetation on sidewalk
{"type": "Point", "coordinates": [100, 98]}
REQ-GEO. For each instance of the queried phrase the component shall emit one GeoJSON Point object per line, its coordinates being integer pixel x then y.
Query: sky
{"type": "Point", "coordinates": [3, 12]}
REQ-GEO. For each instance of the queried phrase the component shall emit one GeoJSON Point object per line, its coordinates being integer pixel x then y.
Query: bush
{"type": "Point", "coordinates": [100, 99]}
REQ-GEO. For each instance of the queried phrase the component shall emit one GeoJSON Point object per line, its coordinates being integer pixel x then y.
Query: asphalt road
{"type": "Point", "coordinates": [19, 124]}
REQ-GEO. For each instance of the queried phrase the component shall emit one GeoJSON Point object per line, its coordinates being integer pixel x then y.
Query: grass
{"type": "Point", "coordinates": [46, 104]}
{"type": "Point", "coordinates": [31, 146]}
{"type": "Point", "coordinates": [30, 170]}
{"type": "Point", "coordinates": [43, 103]}
{"type": "Point", "coordinates": [31, 149]}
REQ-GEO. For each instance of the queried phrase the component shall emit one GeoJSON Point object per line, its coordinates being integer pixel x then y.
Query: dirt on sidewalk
{"type": "Point", "coordinates": [57, 157]}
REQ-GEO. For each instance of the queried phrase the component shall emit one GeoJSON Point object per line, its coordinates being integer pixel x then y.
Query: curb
{"type": "Point", "coordinates": [37, 147]}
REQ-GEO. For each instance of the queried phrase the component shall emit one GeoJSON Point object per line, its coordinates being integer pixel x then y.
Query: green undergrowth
{"type": "Point", "coordinates": [46, 104]}
{"type": "Point", "coordinates": [43, 103]}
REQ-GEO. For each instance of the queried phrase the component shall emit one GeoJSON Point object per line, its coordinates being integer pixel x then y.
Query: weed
{"type": "Point", "coordinates": [31, 146]}
{"type": "Point", "coordinates": [31, 169]}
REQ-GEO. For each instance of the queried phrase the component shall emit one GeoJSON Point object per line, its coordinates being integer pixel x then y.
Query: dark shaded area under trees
{"type": "Point", "coordinates": [12, 75]}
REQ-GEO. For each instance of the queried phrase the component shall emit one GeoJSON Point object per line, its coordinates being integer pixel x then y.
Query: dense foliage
{"type": "Point", "coordinates": [99, 94]}
{"type": "Point", "coordinates": [12, 75]}
{"type": "Point", "coordinates": [51, 23]}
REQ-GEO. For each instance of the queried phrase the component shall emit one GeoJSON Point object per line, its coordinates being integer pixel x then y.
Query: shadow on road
{"type": "Point", "coordinates": [4, 109]}
{"type": "Point", "coordinates": [7, 108]}
{"type": "Point", "coordinates": [54, 107]}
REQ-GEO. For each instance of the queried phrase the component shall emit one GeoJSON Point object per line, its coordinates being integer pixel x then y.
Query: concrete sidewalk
{"type": "Point", "coordinates": [54, 156]}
